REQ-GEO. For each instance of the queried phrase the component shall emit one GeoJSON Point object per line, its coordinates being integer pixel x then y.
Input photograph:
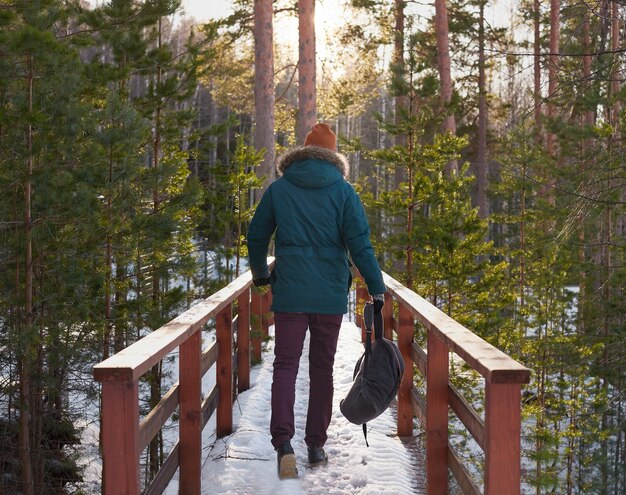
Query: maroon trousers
{"type": "Point", "coordinates": [290, 332]}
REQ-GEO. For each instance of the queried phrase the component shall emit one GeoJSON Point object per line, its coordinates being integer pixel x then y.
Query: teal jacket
{"type": "Point", "coordinates": [317, 219]}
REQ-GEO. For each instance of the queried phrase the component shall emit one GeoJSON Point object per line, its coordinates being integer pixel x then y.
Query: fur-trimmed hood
{"type": "Point", "coordinates": [303, 153]}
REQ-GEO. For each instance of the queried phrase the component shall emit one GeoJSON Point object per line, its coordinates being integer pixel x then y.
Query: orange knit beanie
{"type": "Point", "coordinates": [321, 135]}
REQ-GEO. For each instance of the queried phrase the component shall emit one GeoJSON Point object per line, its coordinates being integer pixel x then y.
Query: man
{"type": "Point", "coordinates": [317, 219]}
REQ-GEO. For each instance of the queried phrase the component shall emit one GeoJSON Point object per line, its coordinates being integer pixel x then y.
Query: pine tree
{"type": "Point", "coordinates": [152, 208]}
{"type": "Point", "coordinates": [165, 247]}
{"type": "Point", "coordinates": [44, 122]}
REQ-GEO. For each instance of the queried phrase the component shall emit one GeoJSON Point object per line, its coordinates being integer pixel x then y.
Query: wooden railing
{"type": "Point", "coordinates": [124, 436]}
{"type": "Point", "coordinates": [498, 433]}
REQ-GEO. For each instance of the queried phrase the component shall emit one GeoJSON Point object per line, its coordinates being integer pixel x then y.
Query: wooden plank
{"type": "Point", "coordinates": [209, 356]}
{"type": "Point", "coordinates": [437, 416]}
{"type": "Point", "coordinates": [418, 401]}
{"type": "Point", "coordinates": [502, 438]}
{"type": "Point", "coordinates": [190, 364]}
{"type": "Point", "coordinates": [224, 419]}
{"type": "Point", "coordinates": [243, 341]}
{"type": "Point", "coordinates": [405, 337]}
{"type": "Point", "coordinates": [388, 319]}
{"type": "Point", "coordinates": [467, 414]}
{"type": "Point", "coordinates": [493, 364]}
{"type": "Point", "coordinates": [120, 438]}
{"type": "Point", "coordinates": [256, 314]}
{"type": "Point", "coordinates": [156, 418]}
{"type": "Point", "coordinates": [209, 404]}
{"type": "Point", "coordinates": [462, 475]}
{"type": "Point", "coordinates": [133, 361]}
{"type": "Point", "coordinates": [418, 355]}
{"type": "Point", "coordinates": [165, 473]}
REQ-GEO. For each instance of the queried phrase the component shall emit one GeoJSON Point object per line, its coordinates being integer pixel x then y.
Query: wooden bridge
{"type": "Point", "coordinates": [241, 316]}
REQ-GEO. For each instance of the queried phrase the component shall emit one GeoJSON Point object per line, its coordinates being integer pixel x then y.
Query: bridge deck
{"type": "Point", "coordinates": [245, 463]}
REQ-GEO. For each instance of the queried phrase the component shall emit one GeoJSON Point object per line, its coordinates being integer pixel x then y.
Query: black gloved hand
{"type": "Point", "coordinates": [379, 302]}
{"type": "Point", "coordinates": [260, 282]}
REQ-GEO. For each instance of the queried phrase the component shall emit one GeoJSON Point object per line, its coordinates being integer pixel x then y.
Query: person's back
{"type": "Point", "coordinates": [317, 219]}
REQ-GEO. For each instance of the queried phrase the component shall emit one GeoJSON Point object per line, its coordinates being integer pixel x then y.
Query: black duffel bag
{"type": "Point", "coordinates": [377, 374]}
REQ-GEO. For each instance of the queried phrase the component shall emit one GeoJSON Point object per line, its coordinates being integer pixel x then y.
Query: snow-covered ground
{"type": "Point", "coordinates": [245, 462]}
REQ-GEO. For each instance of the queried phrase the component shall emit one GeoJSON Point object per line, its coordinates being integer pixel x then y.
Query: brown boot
{"type": "Point", "coordinates": [286, 461]}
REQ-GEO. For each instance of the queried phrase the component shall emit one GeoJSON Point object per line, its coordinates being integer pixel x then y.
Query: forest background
{"type": "Point", "coordinates": [135, 142]}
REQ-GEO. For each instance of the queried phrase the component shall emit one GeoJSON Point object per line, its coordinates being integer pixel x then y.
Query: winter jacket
{"type": "Point", "coordinates": [317, 218]}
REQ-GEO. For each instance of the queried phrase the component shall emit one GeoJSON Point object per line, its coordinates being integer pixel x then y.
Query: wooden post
{"type": "Point", "coordinates": [224, 418]}
{"type": "Point", "coordinates": [437, 416]}
{"type": "Point", "coordinates": [190, 394]}
{"type": "Point", "coordinates": [388, 316]}
{"type": "Point", "coordinates": [256, 315]}
{"type": "Point", "coordinates": [405, 337]}
{"type": "Point", "coordinates": [243, 341]}
{"type": "Point", "coordinates": [120, 438]}
{"type": "Point", "coordinates": [502, 438]}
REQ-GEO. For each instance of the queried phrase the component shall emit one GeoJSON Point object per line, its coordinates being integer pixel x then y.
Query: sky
{"type": "Point", "coordinates": [326, 10]}
{"type": "Point", "coordinates": [206, 9]}
{"type": "Point", "coordinates": [330, 16]}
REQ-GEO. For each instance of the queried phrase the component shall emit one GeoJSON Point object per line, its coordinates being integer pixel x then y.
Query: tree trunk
{"type": "Point", "coordinates": [571, 439]}
{"type": "Point", "coordinates": [553, 66]}
{"type": "Point", "coordinates": [619, 448]}
{"type": "Point", "coordinates": [108, 283]}
{"type": "Point", "coordinates": [522, 259]}
{"type": "Point", "coordinates": [445, 77]}
{"type": "Point", "coordinates": [25, 362]}
{"type": "Point", "coordinates": [537, 66]}
{"type": "Point", "coordinates": [400, 100]}
{"type": "Point", "coordinates": [540, 418]}
{"type": "Point", "coordinates": [619, 459]}
{"type": "Point", "coordinates": [108, 321]}
{"type": "Point", "coordinates": [239, 230]}
{"type": "Point", "coordinates": [409, 220]}
{"type": "Point", "coordinates": [119, 301]}
{"type": "Point", "coordinates": [213, 120]}
{"type": "Point", "coordinates": [481, 161]}
{"type": "Point", "coordinates": [615, 76]}
{"type": "Point", "coordinates": [608, 356]}
{"type": "Point", "coordinates": [264, 89]}
{"type": "Point", "coordinates": [155, 379]}
{"type": "Point", "coordinates": [227, 139]}
{"type": "Point", "coordinates": [587, 144]}
{"type": "Point", "coordinates": [37, 393]}
{"type": "Point", "coordinates": [307, 99]}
